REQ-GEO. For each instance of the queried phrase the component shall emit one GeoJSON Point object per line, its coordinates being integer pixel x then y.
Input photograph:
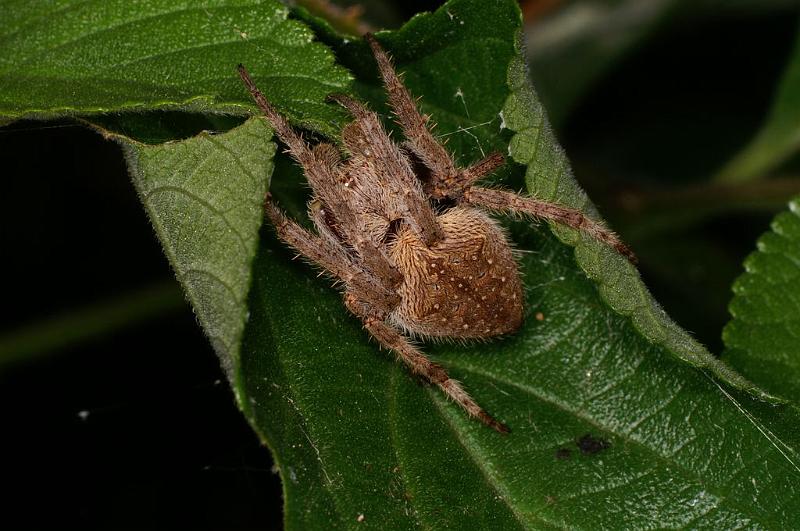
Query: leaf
{"type": "Point", "coordinates": [89, 57]}
{"type": "Point", "coordinates": [611, 426]}
{"type": "Point", "coordinates": [762, 338]}
{"type": "Point", "coordinates": [779, 136]}
{"type": "Point", "coordinates": [204, 197]}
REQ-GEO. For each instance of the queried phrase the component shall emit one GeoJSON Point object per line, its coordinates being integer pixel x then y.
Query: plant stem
{"type": "Point", "coordinates": [76, 326]}
{"type": "Point", "coordinates": [652, 212]}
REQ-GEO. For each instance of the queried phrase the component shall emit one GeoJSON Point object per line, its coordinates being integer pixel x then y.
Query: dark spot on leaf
{"type": "Point", "coordinates": [563, 454]}
{"type": "Point", "coordinates": [590, 445]}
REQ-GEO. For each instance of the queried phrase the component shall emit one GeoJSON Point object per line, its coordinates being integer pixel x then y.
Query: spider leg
{"type": "Point", "coordinates": [336, 205]}
{"type": "Point", "coordinates": [366, 139]}
{"type": "Point", "coordinates": [373, 257]}
{"type": "Point", "coordinates": [297, 147]}
{"type": "Point", "coordinates": [476, 172]}
{"type": "Point", "coordinates": [419, 139]}
{"type": "Point", "coordinates": [320, 167]}
{"type": "Point", "coordinates": [417, 362]}
{"type": "Point", "coordinates": [333, 259]}
{"type": "Point", "coordinates": [504, 201]}
{"type": "Point", "coordinates": [318, 163]}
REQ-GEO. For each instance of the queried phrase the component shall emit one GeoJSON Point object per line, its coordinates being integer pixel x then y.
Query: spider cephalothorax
{"type": "Point", "coordinates": [406, 268]}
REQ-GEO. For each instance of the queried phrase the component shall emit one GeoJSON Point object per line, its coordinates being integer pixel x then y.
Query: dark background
{"type": "Point", "coordinates": [137, 429]}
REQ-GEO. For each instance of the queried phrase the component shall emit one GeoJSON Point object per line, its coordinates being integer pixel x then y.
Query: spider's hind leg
{"type": "Point", "coordinates": [417, 362]}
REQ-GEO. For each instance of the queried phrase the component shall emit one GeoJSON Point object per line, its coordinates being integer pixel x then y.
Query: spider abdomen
{"type": "Point", "coordinates": [466, 285]}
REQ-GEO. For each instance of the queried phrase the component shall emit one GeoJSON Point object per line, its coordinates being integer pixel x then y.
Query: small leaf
{"type": "Point", "coordinates": [762, 339]}
{"type": "Point", "coordinates": [204, 197]}
{"type": "Point", "coordinates": [779, 137]}
{"type": "Point", "coordinates": [80, 58]}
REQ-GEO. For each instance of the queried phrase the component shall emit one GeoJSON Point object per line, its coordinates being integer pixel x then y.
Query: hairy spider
{"type": "Point", "coordinates": [411, 266]}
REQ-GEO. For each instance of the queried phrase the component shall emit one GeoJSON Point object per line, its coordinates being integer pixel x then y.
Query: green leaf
{"type": "Point", "coordinates": [548, 176]}
{"type": "Point", "coordinates": [611, 426]}
{"type": "Point", "coordinates": [204, 197]}
{"type": "Point", "coordinates": [779, 137]}
{"type": "Point", "coordinates": [89, 57]}
{"type": "Point", "coordinates": [762, 337]}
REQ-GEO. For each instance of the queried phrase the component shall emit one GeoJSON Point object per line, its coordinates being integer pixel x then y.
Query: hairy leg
{"type": "Point", "coordinates": [331, 258]}
{"type": "Point", "coordinates": [297, 146]}
{"type": "Point", "coordinates": [419, 138]}
{"type": "Point", "coordinates": [475, 173]}
{"type": "Point", "coordinates": [503, 201]}
{"type": "Point", "coordinates": [320, 167]}
{"type": "Point", "coordinates": [446, 179]}
{"type": "Point", "coordinates": [374, 259]}
{"type": "Point", "coordinates": [417, 362]}
{"type": "Point", "coordinates": [319, 163]}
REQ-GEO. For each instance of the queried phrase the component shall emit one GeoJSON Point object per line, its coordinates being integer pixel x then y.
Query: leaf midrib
{"type": "Point", "coordinates": [488, 476]}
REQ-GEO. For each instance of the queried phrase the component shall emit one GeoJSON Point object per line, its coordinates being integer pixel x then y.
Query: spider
{"type": "Point", "coordinates": [416, 251]}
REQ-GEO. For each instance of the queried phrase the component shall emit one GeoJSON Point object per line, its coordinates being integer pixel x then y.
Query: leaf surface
{"type": "Point", "coordinates": [100, 56]}
{"type": "Point", "coordinates": [204, 198]}
{"type": "Point", "coordinates": [762, 338]}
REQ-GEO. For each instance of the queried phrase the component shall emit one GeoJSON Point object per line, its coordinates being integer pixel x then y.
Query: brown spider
{"type": "Point", "coordinates": [407, 267]}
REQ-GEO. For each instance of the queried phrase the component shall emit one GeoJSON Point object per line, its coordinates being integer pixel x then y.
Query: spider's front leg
{"type": "Point", "coordinates": [386, 166]}
{"type": "Point", "coordinates": [419, 139]}
{"type": "Point", "coordinates": [445, 178]}
{"type": "Point", "coordinates": [332, 258]}
{"type": "Point", "coordinates": [416, 361]}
